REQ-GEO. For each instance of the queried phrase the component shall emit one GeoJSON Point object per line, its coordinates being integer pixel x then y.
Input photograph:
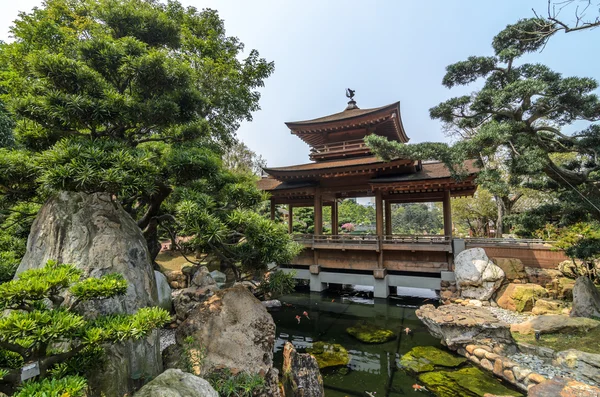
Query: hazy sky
{"type": "Point", "coordinates": [387, 51]}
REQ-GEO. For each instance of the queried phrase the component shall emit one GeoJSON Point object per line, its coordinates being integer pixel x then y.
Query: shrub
{"type": "Point", "coordinates": [43, 327]}
{"type": "Point", "coordinates": [277, 283]}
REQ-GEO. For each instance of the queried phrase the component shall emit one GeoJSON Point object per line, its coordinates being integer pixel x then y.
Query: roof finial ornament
{"type": "Point", "coordinates": [352, 102]}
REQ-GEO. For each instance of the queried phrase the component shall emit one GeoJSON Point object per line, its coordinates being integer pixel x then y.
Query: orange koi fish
{"type": "Point", "coordinates": [298, 318]}
{"type": "Point", "coordinates": [306, 315]}
{"type": "Point", "coordinates": [418, 387]}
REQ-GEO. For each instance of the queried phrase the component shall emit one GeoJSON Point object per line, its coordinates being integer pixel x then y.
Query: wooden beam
{"type": "Point", "coordinates": [447, 214]}
{"type": "Point", "coordinates": [290, 218]}
{"type": "Point", "coordinates": [318, 218]}
{"type": "Point", "coordinates": [388, 217]}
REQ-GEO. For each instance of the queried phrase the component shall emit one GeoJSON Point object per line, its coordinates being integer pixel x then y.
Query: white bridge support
{"type": "Point", "coordinates": [320, 278]}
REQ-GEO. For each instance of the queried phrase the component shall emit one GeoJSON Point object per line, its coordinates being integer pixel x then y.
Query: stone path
{"type": "Point", "coordinates": [536, 364]}
{"type": "Point", "coordinates": [508, 316]}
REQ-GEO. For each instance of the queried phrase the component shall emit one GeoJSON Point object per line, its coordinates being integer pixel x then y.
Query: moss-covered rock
{"type": "Point", "coordinates": [329, 354]}
{"type": "Point", "coordinates": [520, 297]}
{"type": "Point", "coordinates": [426, 358]}
{"type": "Point", "coordinates": [466, 382]}
{"type": "Point", "coordinates": [371, 333]}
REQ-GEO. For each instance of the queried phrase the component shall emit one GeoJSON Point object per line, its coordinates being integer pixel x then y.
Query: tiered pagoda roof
{"type": "Point", "coordinates": [343, 164]}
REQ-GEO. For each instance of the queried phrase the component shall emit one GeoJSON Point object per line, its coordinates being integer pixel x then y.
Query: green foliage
{"type": "Point", "coordinates": [135, 98]}
{"type": "Point", "coordinates": [72, 386]}
{"type": "Point", "coordinates": [41, 319]}
{"type": "Point", "coordinates": [222, 220]}
{"type": "Point", "coordinates": [514, 127]}
{"type": "Point", "coordinates": [192, 356]}
{"type": "Point", "coordinates": [241, 384]}
{"type": "Point", "coordinates": [277, 283]}
{"type": "Point", "coordinates": [473, 215]}
{"type": "Point", "coordinates": [416, 219]}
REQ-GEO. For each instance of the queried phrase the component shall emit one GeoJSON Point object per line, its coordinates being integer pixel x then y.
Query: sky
{"type": "Point", "coordinates": [388, 51]}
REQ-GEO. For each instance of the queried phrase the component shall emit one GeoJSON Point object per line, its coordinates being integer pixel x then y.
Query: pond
{"type": "Point", "coordinates": [373, 368]}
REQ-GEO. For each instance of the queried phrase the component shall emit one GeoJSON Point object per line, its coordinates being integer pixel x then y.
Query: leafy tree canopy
{"type": "Point", "coordinates": [521, 113]}
{"type": "Point", "coordinates": [132, 97]}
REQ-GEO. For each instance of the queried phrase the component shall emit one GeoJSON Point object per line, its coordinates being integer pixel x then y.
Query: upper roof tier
{"type": "Point", "coordinates": [350, 126]}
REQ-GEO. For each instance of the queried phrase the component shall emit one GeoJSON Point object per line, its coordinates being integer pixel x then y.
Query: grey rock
{"type": "Point", "coordinates": [458, 326]}
{"type": "Point", "coordinates": [271, 304]}
{"type": "Point", "coordinates": [219, 277]}
{"type": "Point", "coordinates": [186, 300]}
{"type": "Point", "coordinates": [94, 233]}
{"type": "Point", "coordinates": [202, 278]}
{"type": "Point", "coordinates": [164, 291]}
{"type": "Point", "coordinates": [301, 376]}
{"type": "Point", "coordinates": [586, 299]}
{"type": "Point", "coordinates": [235, 330]}
{"type": "Point", "coordinates": [477, 277]}
{"type": "Point", "coordinates": [176, 383]}
{"type": "Point", "coordinates": [587, 365]}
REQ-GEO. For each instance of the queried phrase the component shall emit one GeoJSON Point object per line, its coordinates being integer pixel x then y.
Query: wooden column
{"type": "Point", "coordinates": [378, 213]}
{"type": "Point", "coordinates": [318, 207]}
{"type": "Point", "coordinates": [388, 218]}
{"type": "Point", "coordinates": [290, 218]}
{"type": "Point", "coordinates": [379, 226]}
{"type": "Point", "coordinates": [447, 214]}
{"type": "Point", "coordinates": [334, 218]}
{"type": "Point", "coordinates": [272, 210]}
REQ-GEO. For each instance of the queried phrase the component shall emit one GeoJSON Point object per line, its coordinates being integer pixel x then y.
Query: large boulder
{"type": "Point", "coordinates": [235, 330]}
{"type": "Point", "coordinates": [540, 276]}
{"type": "Point", "coordinates": [94, 233]}
{"type": "Point", "coordinates": [586, 299]}
{"type": "Point", "coordinates": [586, 365]}
{"type": "Point", "coordinates": [185, 301]}
{"type": "Point", "coordinates": [301, 376]}
{"type": "Point", "coordinates": [458, 326]}
{"type": "Point", "coordinates": [476, 275]}
{"type": "Point", "coordinates": [176, 383]}
{"type": "Point", "coordinates": [549, 306]}
{"type": "Point", "coordinates": [465, 382]}
{"type": "Point", "coordinates": [164, 291]}
{"type": "Point", "coordinates": [563, 387]}
{"type": "Point", "coordinates": [575, 268]}
{"type": "Point", "coordinates": [367, 332]}
{"type": "Point", "coordinates": [513, 268]}
{"type": "Point", "coordinates": [520, 297]}
{"type": "Point", "coordinates": [551, 324]}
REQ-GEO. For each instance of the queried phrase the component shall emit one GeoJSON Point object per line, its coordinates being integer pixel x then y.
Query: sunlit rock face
{"type": "Point", "coordinates": [94, 233]}
{"type": "Point", "coordinates": [477, 277]}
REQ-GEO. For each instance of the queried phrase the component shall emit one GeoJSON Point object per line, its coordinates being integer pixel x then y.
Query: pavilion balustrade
{"type": "Point", "coordinates": [370, 239]}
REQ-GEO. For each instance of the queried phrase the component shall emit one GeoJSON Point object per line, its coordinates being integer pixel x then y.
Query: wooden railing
{"type": "Point", "coordinates": [416, 239]}
{"type": "Point", "coordinates": [337, 148]}
{"type": "Point", "coordinates": [370, 239]}
{"type": "Point", "coordinates": [506, 241]}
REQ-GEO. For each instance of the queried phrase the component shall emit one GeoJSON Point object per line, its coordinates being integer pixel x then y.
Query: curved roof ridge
{"type": "Point", "coordinates": [343, 115]}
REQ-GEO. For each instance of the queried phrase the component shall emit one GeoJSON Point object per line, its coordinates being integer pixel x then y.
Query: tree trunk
{"type": "Point", "coordinates": [501, 214]}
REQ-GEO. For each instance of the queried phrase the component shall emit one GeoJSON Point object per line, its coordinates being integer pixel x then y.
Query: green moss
{"type": "Point", "coordinates": [525, 295]}
{"type": "Point", "coordinates": [466, 382]}
{"type": "Point", "coordinates": [371, 333]}
{"type": "Point", "coordinates": [426, 358]}
{"type": "Point", "coordinates": [588, 342]}
{"type": "Point", "coordinates": [329, 354]}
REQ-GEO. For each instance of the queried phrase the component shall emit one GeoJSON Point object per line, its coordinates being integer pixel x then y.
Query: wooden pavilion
{"type": "Point", "coordinates": [343, 167]}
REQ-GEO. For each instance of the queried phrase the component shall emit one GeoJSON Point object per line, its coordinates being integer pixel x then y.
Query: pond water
{"type": "Point", "coordinates": [373, 367]}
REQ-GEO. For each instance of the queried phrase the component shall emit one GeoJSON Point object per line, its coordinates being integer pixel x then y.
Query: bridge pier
{"type": "Point", "coordinates": [315, 279]}
{"type": "Point", "coordinates": [381, 284]}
